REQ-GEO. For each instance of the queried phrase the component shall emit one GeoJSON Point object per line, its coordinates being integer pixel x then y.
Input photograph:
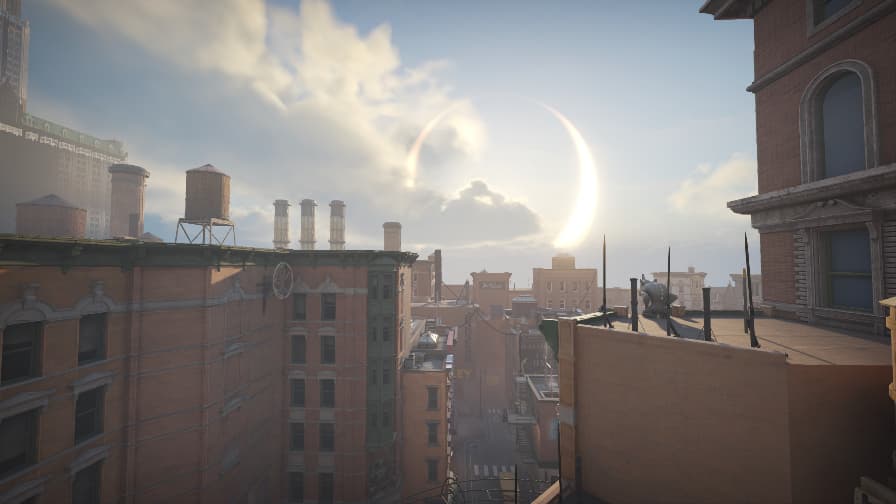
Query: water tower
{"type": "Point", "coordinates": [207, 208]}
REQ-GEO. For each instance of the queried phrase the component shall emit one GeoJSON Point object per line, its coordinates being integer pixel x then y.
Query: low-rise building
{"type": "Point", "coordinates": [563, 286]}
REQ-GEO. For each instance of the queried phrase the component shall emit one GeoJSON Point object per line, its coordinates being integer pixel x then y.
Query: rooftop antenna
{"type": "Point", "coordinates": [603, 308]}
{"type": "Point", "coordinates": [754, 342]}
{"type": "Point", "coordinates": [670, 329]}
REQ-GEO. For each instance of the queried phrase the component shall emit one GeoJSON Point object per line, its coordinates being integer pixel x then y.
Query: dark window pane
{"type": "Point", "coordinates": [328, 307]}
{"type": "Point", "coordinates": [298, 349]}
{"type": "Point", "coordinates": [327, 437]}
{"type": "Point", "coordinates": [371, 333]}
{"type": "Point", "coordinates": [18, 442]}
{"type": "Point", "coordinates": [297, 398]}
{"type": "Point", "coordinates": [432, 433]}
{"type": "Point", "coordinates": [373, 286]}
{"type": "Point", "coordinates": [298, 307]}
{"type": "Point", "coordinates": [327, 393]}
{"type": "Point", "coordinates": [21, 352]}
{"type": "Point", "coordinates": [373, 373]}
{"type": "Point", "coordinates": [850, 251]}
{"type": "Point", "coordinates": [432, 469]}
{"type": "Point", "coordinates": [296, 487]}
{"type": "Point", "coordinates": [851, 293]}
{"type": "Point", "coordinates": [89, 414]}
{"type": "Point", "coordinates": [387, 375]}
{"type": "Point", "coordinates": [328, 349]}
{"type": "Point", "coordinates": [388, 286]}
{"type": "Point", "coordinates": [86, 485]}
{"type": "Point", "coordinates": [432, 398]}
{"type": "Point", "coordinates": [371, 417]}
{"type": "Point", "coordinates": [387, 415]}
{"type": "Point", "coordinates": [325, 491]}
{"type": "Point", "coordinates": [92, 338]}
{"type": "Point", "coordinates": [843, 126]}
{"type": "Point", "coordinates": [827, 8]}
{"type": "Point", "coordinates": [297, 436]}
{"type": "Point", "coordinates": [387, 332]}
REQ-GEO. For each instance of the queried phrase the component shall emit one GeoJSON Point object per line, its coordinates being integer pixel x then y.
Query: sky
{"type": "Point", "coordinates": [324, 100]}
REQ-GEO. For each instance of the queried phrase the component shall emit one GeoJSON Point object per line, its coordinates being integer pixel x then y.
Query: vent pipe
{"type": "Point", "coordinates": [337, 225]}
{"type": "Point", "coordinates": [281, 224]}
{"type": "Point", "coordinates": [307, 239]}
{"type": "Point", "coordinates": [392, 236]}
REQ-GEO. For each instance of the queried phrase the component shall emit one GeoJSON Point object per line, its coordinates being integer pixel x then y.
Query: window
{"type": "Point", "coordinates": [327, 393]}
{"type": "Point", "coordinates": [298, 349]}
{"type": "Point", "coordinates": [432, 398]}
{"type": "Point", "coordinates": [371, 417]}
{"type": "Point", "coordinates": [86, 485]}
{"type": "Point", "coordinates": [562, 286]}
{"type": "Point", "coordinates": [297, 436]}
{"type": "Point", "coordinates": [373, 286]}
{"type": "Point", "coordinates": [387, 415]}
{"type": "Point", "coordinates": [297, 395]}
{"type": "Point", "coordinates": [373, 373]}
{"type": "Point", "coordinates": [298, 307]}
{"type": "Point", "coordinates": [328, 349]}
{"type": "Point", "coordinates": [847, 269]}
{"type": "Point", "coordinates": [837, 127]}
{"type": "Point", "coordinates": [18, 442]}
{"type": "Point", "coordinates": [432, 433]}
{"type": "Point", "coordinates": [387, 374]}
{"type": "Point", "coordinates": [388, 286]}
{"type": "Point", "coordinates": [327, 437]}
{"type": "Point", "coordinates": [588, 305]}
{"type": "Point", "coordinates": [89, 414]}
{"type": "Point", "coordinates": [387, 331]}
{"type": "Point", "coordinates": [325, 490]}
{"type": "Point", "coordinates": [432, 469]}
{"type": "Point", "coordinates": [296, 487]}
{"type": "Point", "coordinates": [550, 287]}
{"type": "Point", "coordinates": [575, 286]}
{"type": "Point", "coordinates": [92, 338]}
{"type": "Point", "coordinates": [21, 352]}
{"type": "Point", "coordinates": [823, 10]}
{"type": "Point", "coordinates": [550, 303]}
{"type": "Point", "coordinates": [328, 306]}
{"type": "Point", "coordinates": [562, 304]}
{"type": "Point", "coordinates": [371, 332]}
{"type": "Point", "coordinates": [842, 126]}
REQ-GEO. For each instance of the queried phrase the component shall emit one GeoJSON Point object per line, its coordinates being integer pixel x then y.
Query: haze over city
{"type": "Point", "coordinates": [447, 252]}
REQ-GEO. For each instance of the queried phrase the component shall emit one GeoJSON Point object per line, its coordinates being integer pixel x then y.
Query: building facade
{"type": "Point", "coordinates": [565, 287]}
{"type": "Point", "coordinates": [152, 372]}
{"type": "Point", "coordinates": [14, 38]}
{"type": "Point", "coordinates": [490, 291]}
{"type": "Point", "coordinates": [824, 86]}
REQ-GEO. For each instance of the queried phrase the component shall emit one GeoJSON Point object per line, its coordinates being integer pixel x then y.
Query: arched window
{"type": "Point", "coordinates": [841, 125]}
{"type": "Point", "coordinates": [838, 125]}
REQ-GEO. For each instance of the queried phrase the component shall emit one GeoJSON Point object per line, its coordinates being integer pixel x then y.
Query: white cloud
{"type": "Point", "coordinates": [707, 191]}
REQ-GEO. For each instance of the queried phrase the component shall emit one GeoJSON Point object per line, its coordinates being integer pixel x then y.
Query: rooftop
{"type": "Point", "coordinates": [803, 343]}
{"type": "Point", "coordinates": [50, 200]}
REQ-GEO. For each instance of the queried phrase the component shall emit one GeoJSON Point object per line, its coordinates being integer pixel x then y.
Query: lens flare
{"type": "Point", "coordinates": [414, 154]}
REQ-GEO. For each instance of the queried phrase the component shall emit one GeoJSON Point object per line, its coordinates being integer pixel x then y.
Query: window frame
{"type": "Point", "coordinates": [293, 389]}
{"type": "Point", "coordinates": [295, 304]}
{"type": "Point", "coordinates": [823, 251]}
{"type": "Point", "coordinates": [326, 437]}
{"type": "Point", "coordinates": [31, 427]}
{"type": "Point", "coordinates": [98, 411]}
{"type": "Point", "coordinates": [328, 349]}
{"type": "Point", "coordinates": [36, 361]}
{"type": "Point", "coordinates": [296, 436]}
{"type": "Point", "coordinates": [95, 472]}
{"type": "Point", "coordinates": [330, 394]}
{"type": "Point", "coordinates": [102, 336]}
{"type": "Point", "coordinates": [432, 433]}
{"type": "Point", "coordinates": [328, 306]}
{"type": "Point", "coordinates": [432, 398]}
{"type": "Point", "coordinates": [811, 145]}
{"type": "Point", "coordinates": [328, 481]}
{"type": "Point", "coordinates": [298, 349]}
{"type": "Point", "coordinates": [814, 26]}
{"type": "Point", "coordinates": [295, 485]}
{"type": "Point", "coordinates": [432, 470]}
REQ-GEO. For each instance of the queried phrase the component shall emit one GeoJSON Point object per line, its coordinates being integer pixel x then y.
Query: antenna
{"type": "Point", "coordinates": [754, 342]}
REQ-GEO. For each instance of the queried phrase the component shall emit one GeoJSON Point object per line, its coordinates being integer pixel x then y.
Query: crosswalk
{"type": "Point", "coordinates": [491, 470]}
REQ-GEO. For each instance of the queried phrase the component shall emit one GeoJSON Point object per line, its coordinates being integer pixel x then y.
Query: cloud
{"type": "Point", "coordinates": [707, 191]}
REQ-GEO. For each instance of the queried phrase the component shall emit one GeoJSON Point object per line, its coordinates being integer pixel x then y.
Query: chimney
{"type": "Point", "coordinates": [337, 225]}
{"type": "Point", "coordinates": [281, 224]}
{"type": "Point", "coordinates": [437, 265]}
{"type": "Point", "coordinates": [307, 236]}
{"type": "Point", "coordinates": [126, 215]}
{"type": "Point", "coordinates": [392, 236]}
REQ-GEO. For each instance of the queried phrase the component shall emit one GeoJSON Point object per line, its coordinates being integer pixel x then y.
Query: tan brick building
{"type": "Point", "coordinates": [565, 287]}
{"type": "Point", "coordinates": [151, 372]}
{"type": "Point", "coordinates": [825, 87]}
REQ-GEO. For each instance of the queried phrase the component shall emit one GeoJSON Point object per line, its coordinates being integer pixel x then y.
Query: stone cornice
{"type": "Point", "coordinates": [873, 179]}
{"type": "Point", "coordinates": [856, 25]}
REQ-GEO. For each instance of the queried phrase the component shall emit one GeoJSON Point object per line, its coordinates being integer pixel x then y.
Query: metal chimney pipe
{"type": "Point", "coordinates": [307, 239]}
{"type": "Point", "coordinates": [392, 236]}
{"type": "Point", "coordinates": [281, 224]}
{"type": "Point", "coordinates": [337, 225]}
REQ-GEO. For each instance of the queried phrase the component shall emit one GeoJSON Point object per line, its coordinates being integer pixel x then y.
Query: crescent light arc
{"type": "Point", "coordinates": [579, 222]}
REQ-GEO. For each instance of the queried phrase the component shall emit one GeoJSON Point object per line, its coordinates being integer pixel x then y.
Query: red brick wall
{"type": "Point", "coordinates": [778, 278]}
{"type": "Point", "coordinates": [415, 448]}
{"type": "Point", "coordinates": [780, 31]}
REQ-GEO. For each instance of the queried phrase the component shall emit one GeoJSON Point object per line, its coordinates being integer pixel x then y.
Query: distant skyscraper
{"type": "Point", "coordinates": [14, 35]}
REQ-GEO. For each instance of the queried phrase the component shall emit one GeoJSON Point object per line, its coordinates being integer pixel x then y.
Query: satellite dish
{"type": "Point", "coordinates": [282, 281]}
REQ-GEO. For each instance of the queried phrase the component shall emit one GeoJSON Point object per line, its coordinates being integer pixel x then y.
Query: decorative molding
{"type": "Point", "coordinates": [88, 458]}
{"type": "Point", "coordinates": [24, 491]}
{"type": "Point", "coordinates": [234, 349]}
{"type": "Point", "coordinates": [23, 402]}
{"type": "Point", "coordinates": [855, 26]}
{"type": "Point", "coordinates": [810, 144]}
{"type": "Point", "coordinates": [92, 381]}
{"type": "Point", "coordinates": [232, 404]}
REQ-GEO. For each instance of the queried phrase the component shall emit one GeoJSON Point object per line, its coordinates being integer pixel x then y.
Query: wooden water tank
{"type": "Point", "coordinates": [208, 194]}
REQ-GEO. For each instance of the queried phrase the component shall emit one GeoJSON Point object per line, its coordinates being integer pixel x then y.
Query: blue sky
{"type": "Point", "coordinates": [323, 100]}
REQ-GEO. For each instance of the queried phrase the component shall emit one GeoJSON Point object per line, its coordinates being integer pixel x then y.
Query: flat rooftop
{"type": "Point", "coordinates": [803, 343]}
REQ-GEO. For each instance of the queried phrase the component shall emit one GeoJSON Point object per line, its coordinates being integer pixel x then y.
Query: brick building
{"type": "Point", "coordinates": [490, 290]}
{"type": "Point", "coordinates": [563, 286]}
{"type": "Point", "coordinates": [825, 87]}
{"type": "Point", "coordinates": [152, 372]}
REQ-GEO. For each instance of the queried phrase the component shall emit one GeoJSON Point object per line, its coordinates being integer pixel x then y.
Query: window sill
{"type": "Point", "coordinates": [87, 440]}
{"type": "Point", "coordinates": [22, 381]}
{"type": "Point", "coordinates": [92, 363]}
{"type": "Point", "coordinates": [18, 473]}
